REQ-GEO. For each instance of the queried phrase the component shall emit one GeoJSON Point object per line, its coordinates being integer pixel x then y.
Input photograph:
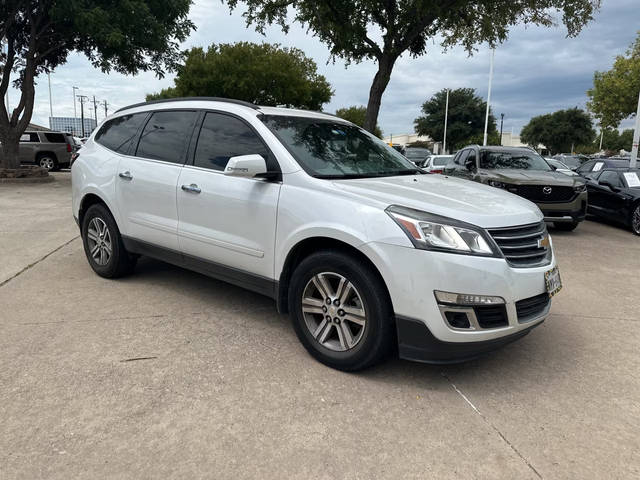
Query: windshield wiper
{"type": "Point", "coordinates": [349, 176]}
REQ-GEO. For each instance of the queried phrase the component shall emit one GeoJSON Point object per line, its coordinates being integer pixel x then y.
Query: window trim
{"type": "Point", "coordinates": [198, 130]}
{"type": "Point", "coordinates": [183, 155]}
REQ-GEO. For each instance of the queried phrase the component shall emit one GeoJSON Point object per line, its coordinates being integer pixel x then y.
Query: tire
{"type": "Point", "coordinates": [565, 227]}
{"type": "Point", "coordinates": [108, 263]}
{"type": "Point", "coordinates": [363, 292]}
{"type": "Point", "coordinates": [634, 220]}
{"type": "Point", "coordinates": [49, 162]}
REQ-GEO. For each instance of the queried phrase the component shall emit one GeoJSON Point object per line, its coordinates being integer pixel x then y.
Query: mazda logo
{"type": "Point", "coordinates": [546, 190]}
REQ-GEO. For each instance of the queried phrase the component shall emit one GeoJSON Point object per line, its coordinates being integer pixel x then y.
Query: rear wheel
{"type": "Point", "coordinates": [48, 161]}
{"type": "Point", "coordinates": [565, 227]}
{"type": "Point", "coordinates": [341, 311]}
{"type": "Point", "coordinates": [103, 244]}
{"type": "Point", "coordinates": [635, 219]}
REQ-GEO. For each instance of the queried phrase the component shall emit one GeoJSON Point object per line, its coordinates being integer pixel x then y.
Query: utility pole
{"type": "Point", "coordinates": [601, 137]}
{"type": "Point", "coordinates": [82, 100]}
{"type": "Point", "coordinates": [636, 139]}
{"type": "Point", "coordinates": [50, 101]}
{"type": "Point", "coordinates": [95, 110]}
{"type": "Point", "coordinates": [105, 104]}
{"type": "Point", "coordinates": [486, 118]}
{"type": "Point", "coordinates": [446, 118]}
{"type": "Point", "coordinates": [75, 113]}
{"type": "Point", "coordinates": [501, 123]}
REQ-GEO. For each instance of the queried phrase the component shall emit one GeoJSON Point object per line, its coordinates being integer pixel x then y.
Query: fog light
{"type": "Point", "coordinates": [467, 299]}
{"type": "Point", "coordinates": [457, 319]}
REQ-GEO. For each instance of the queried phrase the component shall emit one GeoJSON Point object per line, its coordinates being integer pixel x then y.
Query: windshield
{"type": "Point", "coordinates": [417, 153]}
{"type": "Point", "coordinates": [557, 164]}
{"type": "Point", "coordinates": [330, 149]}
{"type": "Point", "coordinates": [521, 160]}
{"type": "Point", "coordinates": [572, 162]}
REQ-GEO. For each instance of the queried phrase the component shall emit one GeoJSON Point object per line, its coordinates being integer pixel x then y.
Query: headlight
{"type": "Point", "coordinates": [580, 188]}
{"type": "Point", "coordinates": [433, 232]}
{"type": "Point", "coordinates": [495, 183]}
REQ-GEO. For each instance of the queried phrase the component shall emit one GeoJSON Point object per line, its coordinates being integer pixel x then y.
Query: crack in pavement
{"type": "Point", "coordinates": [4, 282]}
{"type": "Point", "coordinates": [486, 420]}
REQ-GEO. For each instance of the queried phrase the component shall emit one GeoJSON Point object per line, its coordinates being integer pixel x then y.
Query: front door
{"type": "Point", "coordinates": [227, 221]}
{"type": "Point", "coordinates": [147, 179]}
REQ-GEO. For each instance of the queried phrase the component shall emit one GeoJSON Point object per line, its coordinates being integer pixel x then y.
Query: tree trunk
{"type": "Point", "coordinates": [379, 85]}
{"type": "Point", "coordinates": [10, 151]}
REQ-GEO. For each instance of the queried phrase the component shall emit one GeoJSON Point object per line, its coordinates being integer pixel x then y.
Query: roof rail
{"type": "Point", "coordinates": [210, 99]}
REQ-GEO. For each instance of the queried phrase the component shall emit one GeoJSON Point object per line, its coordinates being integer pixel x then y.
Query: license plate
{"type": "Point", "coordinates": [553, 281]}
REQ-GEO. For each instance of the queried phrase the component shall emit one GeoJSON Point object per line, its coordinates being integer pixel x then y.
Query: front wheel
{"type": "Point", "coordinates": [565, 227]}
{"type": "Point", "coordinates": [635, 220]}
{"type": "Point", "coordinates": [341, 311]}
{"type": "Point", "coordinates": [103, 244]}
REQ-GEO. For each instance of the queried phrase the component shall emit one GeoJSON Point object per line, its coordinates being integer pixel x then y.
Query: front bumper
{"type": "Point", "coordinates": [412, 275]}
{"type": "Point", "coordinates": [569, 212]}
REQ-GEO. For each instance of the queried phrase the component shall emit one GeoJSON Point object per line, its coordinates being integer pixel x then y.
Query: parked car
{"type": "Point", "coordinates": [558, 166]}
{"type": "Point", "coordinates": [561, 198]}
{"type": "Point", "coordinates": [359, 246]}
{"type": "Point", "coordinates": [436, 163]}
{"type": "Point", "coordinates": [417, 155]}
{"type": "Point", "coordinates": [50, 150]}
{"type": "Point", "coordinates": [591, 168]}
{"type": "Point", "coordinates": [572, 161]}
{"type": "Point", "coordinates": [614, 193]}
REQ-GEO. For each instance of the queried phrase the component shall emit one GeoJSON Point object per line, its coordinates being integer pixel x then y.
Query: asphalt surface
{"type": "Point", "coordinates": [169, 374]}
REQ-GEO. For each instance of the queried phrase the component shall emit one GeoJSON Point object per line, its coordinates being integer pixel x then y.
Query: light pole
{"type": "Point", "coordinates": [105, 104]}
{"type": "Point", "coordinates": [486, 118]}
{"type": "Point", "coordinates": [636, 138]}
{"type": "Point", "coordinates": [446, 118]}
{"type": "Point", "coordinates": [50, 101]}
{"type": "Point", "coordinates": [501, 123]}
{"type": "Point", "coordinates": [82, 99]}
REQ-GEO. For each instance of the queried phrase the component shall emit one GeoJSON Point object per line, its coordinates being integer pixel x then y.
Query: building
{"type": "Point", "coordinates": [405, 138]}
{"type": "Point", "coordinates": [34, 127]}
{"type": "Point", "coordinates": [72, 125]}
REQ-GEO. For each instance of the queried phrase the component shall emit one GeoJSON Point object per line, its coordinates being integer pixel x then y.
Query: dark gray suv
{"type": "Point", "coordinates": [50, 150]}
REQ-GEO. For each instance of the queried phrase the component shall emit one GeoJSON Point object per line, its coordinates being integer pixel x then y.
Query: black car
{"type": "Point", "coordinates": [591, 167]}
{"type": "Point", "coordinates": [614, 193]}
{"type": "Point", "coordinates": [417, 155]}
{"type": "Point", "coordinates": [572, 161]}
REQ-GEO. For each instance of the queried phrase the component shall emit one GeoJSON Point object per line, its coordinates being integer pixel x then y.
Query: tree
{"type": "Point", "coordinates": [122, 35]}
{"type": "Point", "coordinates": [465, 122]}
{"type": "Point", "coordinates": [614, 95]}
{"type": "Point", "coordinates": [357, 115]}
{"type": "Point", "coordinates": [615, 141]}
{"type": "Point", "coordinates": [382, 30]}
{"type": "Point", "coordinates": [559, 131]}
{"type": "Point", "coordinates": [263, 74]}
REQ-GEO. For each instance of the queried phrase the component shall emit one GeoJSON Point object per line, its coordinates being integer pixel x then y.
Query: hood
{"type": "Point", "coordinates": [530, 177]}
{"type": "Point", "coordinates": [463, 200]}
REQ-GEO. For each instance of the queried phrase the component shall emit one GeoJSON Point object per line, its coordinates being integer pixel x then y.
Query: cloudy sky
{"type": "Point", "coordinates": [537, 70]}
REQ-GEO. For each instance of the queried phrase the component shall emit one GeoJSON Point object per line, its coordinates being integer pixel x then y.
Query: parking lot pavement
{"type": "Point", "coordinates": [170, 374]}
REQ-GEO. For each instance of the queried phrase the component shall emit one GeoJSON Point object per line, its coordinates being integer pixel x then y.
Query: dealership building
{"type": "Point", "coordinates": [72, 125]}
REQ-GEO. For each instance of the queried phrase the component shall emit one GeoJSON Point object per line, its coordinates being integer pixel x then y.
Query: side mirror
{"type": "Point", "coordinates": [610, 185]}
{"type": "Point", "coordinates": [248, 166]}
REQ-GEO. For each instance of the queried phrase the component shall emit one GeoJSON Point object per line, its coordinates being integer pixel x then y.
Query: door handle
{"type": "Point", "coordinates": [126, 175]}
{"type": "Point", "coordinates": [193, 188]}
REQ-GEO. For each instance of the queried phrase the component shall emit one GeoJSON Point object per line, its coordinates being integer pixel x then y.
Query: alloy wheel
{"type": "Point", "coordinates": [99, 241]}
{"type": "Point", "coordinates": [635, 220]}
{"type": "Point", "coordinates": [333, 311]}
{"type": "Point", "coordinates": [47, 162]}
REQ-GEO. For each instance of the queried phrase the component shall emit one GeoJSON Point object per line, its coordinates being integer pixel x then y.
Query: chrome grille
{"type": "Point", "coordinates": [521, 245]}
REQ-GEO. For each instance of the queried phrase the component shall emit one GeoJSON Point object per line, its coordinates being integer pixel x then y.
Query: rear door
{"type": "Point", "coordinates": [147, 179]}
{"type": "Point", "coordinates": [227, 221]}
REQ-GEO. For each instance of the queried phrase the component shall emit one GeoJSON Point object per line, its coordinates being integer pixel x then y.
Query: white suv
{"type": "Point", "coordinates": [364, 251]}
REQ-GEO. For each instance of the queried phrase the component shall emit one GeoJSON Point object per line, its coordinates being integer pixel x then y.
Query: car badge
{"type": "Point", "coordinates": [547, 190]}
{"type": "Point", "coordinates": [544, 242]}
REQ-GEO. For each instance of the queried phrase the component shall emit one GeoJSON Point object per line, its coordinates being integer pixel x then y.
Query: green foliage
{"type": "Point", "coordinates": [263, 74]}
{"type": "Point", "coordinates": [357, 114]}
{"type": "Point", "coordinates": [465, 123]}
{"type": "Point", "coordinates": [383, 30]}
{"type": "Point", "coordinates": [615, 141]}
{"type": "Point", "coordinates": [559, 131]}
{"type": "Point", "coordinates": [127, 36]}
{"type": "Point", "coordinates": [614, 95]}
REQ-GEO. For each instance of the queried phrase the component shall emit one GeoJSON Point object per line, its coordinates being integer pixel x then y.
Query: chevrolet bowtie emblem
{"type": "Point", "coordinates": [544, 242]}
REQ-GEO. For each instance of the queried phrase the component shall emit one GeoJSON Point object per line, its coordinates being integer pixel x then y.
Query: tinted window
{"type": "Point", "coordinates": [610, 177]}
{"type": "Point", "coordinates": [118, 133]}
{"type": "Point", "coordinates": [471, 157]}
{"type": "Point", "coordinates": [55, 137]}
{"type": "Point", "coordinates": [166, 135]}
{"type": "Point", "coordinates": [417, 153]}
{"type": "Point", "coordinates": [462, 157]}
{"type": "Point", "coordinates": [222, 137]}
{"type": "Point", "coordinates": [586, 167]}
{"type": "Point", "coordinates": [441, 160]}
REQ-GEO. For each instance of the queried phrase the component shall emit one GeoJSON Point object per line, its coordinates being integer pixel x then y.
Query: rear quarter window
{"type": "Point", "coordinates": [117, 134]}
{"type": "Point", "coordinates": [55, 137]}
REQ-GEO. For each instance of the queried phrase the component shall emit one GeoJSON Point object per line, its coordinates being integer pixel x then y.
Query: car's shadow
{"type": "Point", "coordinates": [526, 354]}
